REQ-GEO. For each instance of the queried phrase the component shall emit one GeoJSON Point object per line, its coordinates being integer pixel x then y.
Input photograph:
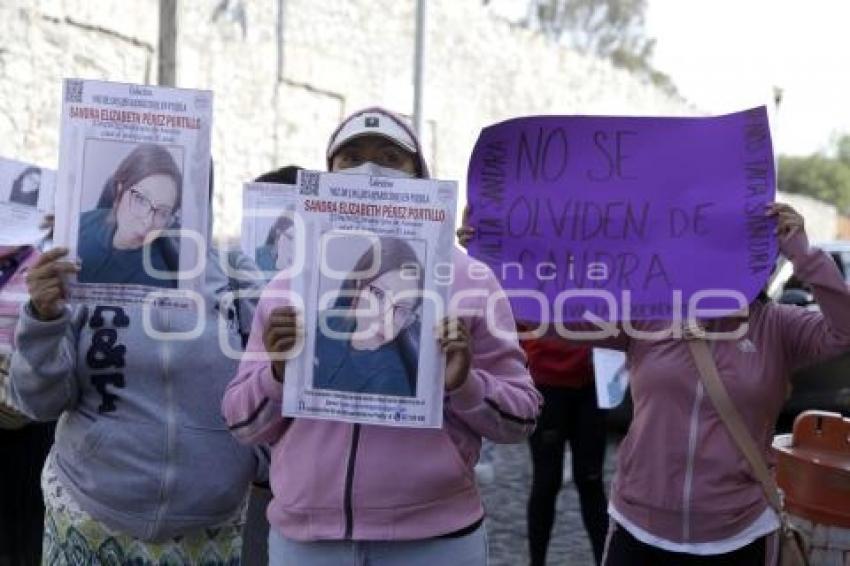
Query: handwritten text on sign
{"type": "Point", "coordinates": [624, 207]}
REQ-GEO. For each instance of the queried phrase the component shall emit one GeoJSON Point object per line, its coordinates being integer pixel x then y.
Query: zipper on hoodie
{"type": "Point", "coordinates": [168, 475]}
{"type": "Point", "coordinates": [689, 471]}
{"type": "Point", "coordinates": [349, 482]}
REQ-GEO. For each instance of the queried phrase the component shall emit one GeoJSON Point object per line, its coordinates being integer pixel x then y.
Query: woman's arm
{"type": "Point", "coordinates": [43, 365]}
{"type": "Point", "coordinates": [252, 402]}
{"type": "Point", "coordinates": [809, 336]}
{"type": "Point", "coordinates": [498, 399]}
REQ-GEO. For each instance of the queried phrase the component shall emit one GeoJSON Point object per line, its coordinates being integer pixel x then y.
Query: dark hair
{"type": "Point", "coordinates": [395, 254]}
{"type": "Point", "coordinates": [18, 195]}
{"type": "Point", "coordinates": [145, 160]}
{"type": "Point", "coordinates": [282, 224]}
{"type": "Point", "coordinates": [286, 175]}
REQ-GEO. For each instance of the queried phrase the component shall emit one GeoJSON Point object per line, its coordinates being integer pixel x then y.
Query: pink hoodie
{"type": "Point", "coordinates": [334, 480]}
{"type": "Point", "coordinates": [679, 474]}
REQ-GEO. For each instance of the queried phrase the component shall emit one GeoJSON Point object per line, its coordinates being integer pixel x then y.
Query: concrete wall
{"type": "Point", "coordinates": [42, 42]}
{"type": "Point", "coordinates": [280, 90]}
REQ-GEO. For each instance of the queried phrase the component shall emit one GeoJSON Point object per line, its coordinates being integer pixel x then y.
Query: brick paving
{"type": "Point", "coordinates": [505, 500]}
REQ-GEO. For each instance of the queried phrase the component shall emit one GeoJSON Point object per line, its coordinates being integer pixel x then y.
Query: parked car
{"type": "Point", "coordinates": [825, 385]}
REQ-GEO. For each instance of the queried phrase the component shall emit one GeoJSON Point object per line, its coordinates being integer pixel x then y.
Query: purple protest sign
{"type": "Point", "coordinates": [626, 217]}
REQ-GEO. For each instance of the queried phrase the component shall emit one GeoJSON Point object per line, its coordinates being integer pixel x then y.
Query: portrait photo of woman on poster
{"type": "Point", "coordinates": [276, 252]}
{"type": "Point", "coordinates": [375, 322]}
{"type": "Point", "coordinates": [140, 200]}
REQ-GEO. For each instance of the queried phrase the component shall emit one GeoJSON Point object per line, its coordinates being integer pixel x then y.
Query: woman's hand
{"type": "Point", "coordinates": [282, 332]}
{"type": "Point", "coordinates": [790, 229]}
{"type": "Point", "coordinates": [46, 285]}
{"type": "Point", "coordinates": [466, 232]}
{"type": "Point", "coordinates": [454, 341]}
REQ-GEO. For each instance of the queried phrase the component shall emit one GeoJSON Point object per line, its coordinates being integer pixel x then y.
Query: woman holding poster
{"type": "Point", "coordinates": [345, 493]}
{"type": "Point", "coordinates": [684, 493]}
{"type": "Point", "coordinates": [143, 470]}
{"type": "Point", "coordinates": [140, 199]}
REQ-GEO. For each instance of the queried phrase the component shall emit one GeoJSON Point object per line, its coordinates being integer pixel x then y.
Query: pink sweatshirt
{"type": "Point", "coordinates": [679, 474]}
{"type": "Point", "coordinates": [333, 480]}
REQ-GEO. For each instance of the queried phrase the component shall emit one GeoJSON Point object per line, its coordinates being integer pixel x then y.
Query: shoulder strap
{"type": "Point", "coordinates": [732, 419]}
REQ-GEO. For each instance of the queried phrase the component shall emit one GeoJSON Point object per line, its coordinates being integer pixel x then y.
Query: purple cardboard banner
{"type": "Point", "coordinates": [626, 217]}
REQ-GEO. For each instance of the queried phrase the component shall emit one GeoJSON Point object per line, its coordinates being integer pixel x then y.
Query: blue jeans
{"type": "Point", "coordinates": [468, 550]}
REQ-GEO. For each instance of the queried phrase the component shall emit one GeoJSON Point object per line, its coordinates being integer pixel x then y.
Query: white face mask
{"type": "Point", "coordinates": [375, 170]}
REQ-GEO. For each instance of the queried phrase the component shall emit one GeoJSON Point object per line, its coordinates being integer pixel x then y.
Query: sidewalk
{"type": "Point", "coordinates": [505, 500]}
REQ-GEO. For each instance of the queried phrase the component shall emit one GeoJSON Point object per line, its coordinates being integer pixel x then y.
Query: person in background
{"type": "Point", "coordinates": [347, 494]}
{"type": "Point", "coordinates": [563, 373]}
{"type": "Point", "coordinates": [683, 492]}
{"type": "Point", "coordinates": [24, 444]}
{"type": "Point", "coordinates": [255, 544]}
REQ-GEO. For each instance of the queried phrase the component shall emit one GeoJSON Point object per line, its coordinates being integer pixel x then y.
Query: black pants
{"type": "Point", "coordinates": [626, 550]}
{"type": "Point", "coordinates": [568, 415]}
{"type": "Point", "coordinates": [255, 536]}
{"type": "Point", "coordinates": [21, 505]}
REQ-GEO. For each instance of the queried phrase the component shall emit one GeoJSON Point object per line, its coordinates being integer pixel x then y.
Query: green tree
{"type": "Point", "coordinates": [819, 176]}
{"type": "Point", "coordinates": [842, 149]}
{"type": "Point", "coordinates": [610, 29]}
{"type": "Point", "coordinates": [597, 27]}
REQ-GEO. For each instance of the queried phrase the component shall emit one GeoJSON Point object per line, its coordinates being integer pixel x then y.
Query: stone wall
{"type": "Point", "coordinates": [280, 89]}
{"type": "Point", "coordinates": [44, 41]}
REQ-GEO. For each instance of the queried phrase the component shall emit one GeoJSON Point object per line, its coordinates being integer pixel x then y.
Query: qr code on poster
{"type": "Point", "coordinates": [309, 183]}
{"type": "Point", "coordinates": [74, 91]}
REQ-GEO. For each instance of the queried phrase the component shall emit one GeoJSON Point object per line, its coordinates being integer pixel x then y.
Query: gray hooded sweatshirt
{"type": "Point", "coordinates": [141, 444]}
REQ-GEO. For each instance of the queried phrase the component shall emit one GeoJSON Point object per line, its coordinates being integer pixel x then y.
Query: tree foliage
{"type": "Point", "coordinates": [610, 29]}
{"type": "Point", "coordinates": [824, 176]}
{"type": "Point", "coordinates": [597, 27]}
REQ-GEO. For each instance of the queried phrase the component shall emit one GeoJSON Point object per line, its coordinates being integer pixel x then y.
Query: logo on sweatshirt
{"type": "Point", "coordinates": [105, 356]}
{"type": "Point", "coordinates": [746, 345]}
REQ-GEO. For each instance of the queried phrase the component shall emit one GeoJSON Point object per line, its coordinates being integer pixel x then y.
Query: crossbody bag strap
{"type": "Point", "coordinates": [732, 419]}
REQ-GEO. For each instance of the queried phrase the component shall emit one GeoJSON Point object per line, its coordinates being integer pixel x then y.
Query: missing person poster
{"type": "Point", "coordinates": [371, 298]}
{"type": "Point", "coordinates": [268, 226]}
{"type": "Point", "coordinates": [26, 195]}
{"type": "Point", "coordinates": [612, 377]}
{"type": "Point", "coordinates": [133, 189]}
